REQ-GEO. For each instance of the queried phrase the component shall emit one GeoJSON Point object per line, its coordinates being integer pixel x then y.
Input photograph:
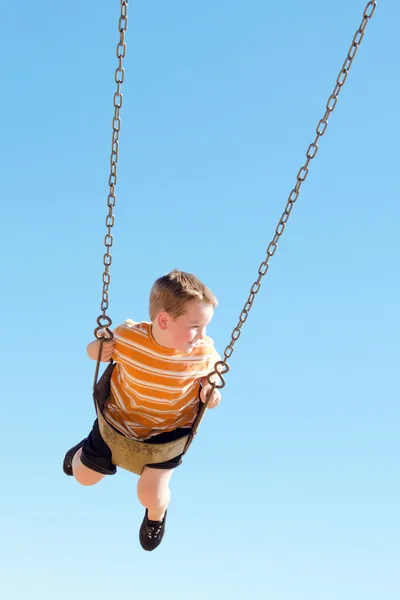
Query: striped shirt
{"type": "Point", "coordinates": [154, 389]}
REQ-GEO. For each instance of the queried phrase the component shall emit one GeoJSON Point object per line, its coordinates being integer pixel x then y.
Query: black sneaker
{"type": "Point", "coordinates": [67, 464]}
{"type": "Point", "coordinates": [151, 532]}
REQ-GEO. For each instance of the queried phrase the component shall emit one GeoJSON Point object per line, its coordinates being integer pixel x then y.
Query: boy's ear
{"type": "Point", "coordinates": [162, 319]}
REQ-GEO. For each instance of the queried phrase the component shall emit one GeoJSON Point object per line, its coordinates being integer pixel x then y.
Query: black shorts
{"type": "Point", "coordinates": [96, 455]}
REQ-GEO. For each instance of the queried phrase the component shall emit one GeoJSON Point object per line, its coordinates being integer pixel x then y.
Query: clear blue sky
{"type": "Point", "coordinates": [291, 491]}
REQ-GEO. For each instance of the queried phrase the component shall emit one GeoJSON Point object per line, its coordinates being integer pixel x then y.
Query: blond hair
{"type": "Point", "coordinates": [175, 290]}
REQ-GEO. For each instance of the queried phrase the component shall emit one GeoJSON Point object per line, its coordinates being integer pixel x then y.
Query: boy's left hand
{"type": "Point", "coordinates": [215, 396]}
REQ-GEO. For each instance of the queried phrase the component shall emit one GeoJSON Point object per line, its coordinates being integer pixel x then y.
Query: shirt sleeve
{"type": "Point", "coordinates": [120, 337]}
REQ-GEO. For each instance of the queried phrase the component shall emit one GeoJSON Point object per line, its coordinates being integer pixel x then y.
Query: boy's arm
{"type": "Point", "coordinates": [107, 352]}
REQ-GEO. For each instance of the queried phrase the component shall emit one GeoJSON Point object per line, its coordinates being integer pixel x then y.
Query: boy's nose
{"type": "Point", "coordinates": [202, 332]}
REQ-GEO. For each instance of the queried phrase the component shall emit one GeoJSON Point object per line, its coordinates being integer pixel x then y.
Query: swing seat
{"type": "Point", "coordinates": [132, 455]}
{"type": "Point", "coordinates": [127, 453]}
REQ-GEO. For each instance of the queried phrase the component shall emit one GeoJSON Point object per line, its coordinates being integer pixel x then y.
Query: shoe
{"type": "Point", "coordinates": [67, 464]}
{"type": "Point", "coordinates": [151, 532]}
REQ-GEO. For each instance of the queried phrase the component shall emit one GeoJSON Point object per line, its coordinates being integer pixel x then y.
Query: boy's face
{"type": "Point", "coordinates": [185, 331]}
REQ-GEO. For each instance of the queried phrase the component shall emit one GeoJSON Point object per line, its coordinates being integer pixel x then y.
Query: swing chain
{"type": "Point", "coordinates": [104, 321]}
{"type": "Point", "coordinates": [222, 367]}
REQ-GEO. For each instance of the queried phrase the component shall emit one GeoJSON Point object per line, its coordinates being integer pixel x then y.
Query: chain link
{"type": "Point", "coordinates": [222, 367]}
{"type": "Point", "coordinates": [104, 321]}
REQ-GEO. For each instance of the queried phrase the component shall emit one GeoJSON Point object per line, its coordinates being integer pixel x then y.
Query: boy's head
{"type": "Point", "coordinates": [181, 307]}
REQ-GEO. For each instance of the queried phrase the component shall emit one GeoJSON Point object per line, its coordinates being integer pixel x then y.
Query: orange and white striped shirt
{"type": "Point", "coordinates": [154, 389]}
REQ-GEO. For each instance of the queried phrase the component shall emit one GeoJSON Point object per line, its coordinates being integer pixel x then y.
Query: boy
{"type": "Point", "coordinates": [155, 384]}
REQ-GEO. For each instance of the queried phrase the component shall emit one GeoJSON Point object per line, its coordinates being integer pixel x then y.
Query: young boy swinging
{"type": "Point", "coordinates": [161, 367]}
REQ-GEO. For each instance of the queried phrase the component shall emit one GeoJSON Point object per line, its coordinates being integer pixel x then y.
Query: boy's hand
{"type": "Point", "coordinates": [107, 352]}
{"type": "Point", "coordinates": [215, 396]}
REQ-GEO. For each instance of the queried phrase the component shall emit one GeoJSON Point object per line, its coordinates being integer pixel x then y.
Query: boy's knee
{"type": "Point", "coordinates": [82, 474]}
{"type": "Point", "coordinates": [88, 480]}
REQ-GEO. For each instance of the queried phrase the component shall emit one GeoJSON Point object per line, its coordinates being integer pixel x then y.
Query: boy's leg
{"type": "Point", "coordinates": [83, 474]}
{"type": "Point", "coordinates": [90, 460]}
{"type": "Point", "coordinates": [153, 491]}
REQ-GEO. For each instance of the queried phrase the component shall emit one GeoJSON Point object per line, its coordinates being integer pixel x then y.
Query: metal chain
{"type": "Point", "coordinates": [104, 321]}
{"type": "Point", "coordinates": [222, 367]}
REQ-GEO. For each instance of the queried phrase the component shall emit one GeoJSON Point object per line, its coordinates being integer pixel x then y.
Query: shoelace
{"type": "Point", "coordinates": [153, 531]}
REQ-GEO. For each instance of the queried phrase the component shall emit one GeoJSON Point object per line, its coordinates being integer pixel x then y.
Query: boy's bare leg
{"type": "Point", "coordinates": [82, 474]}
{"type": "Point", "coordinates": [153, 491]}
